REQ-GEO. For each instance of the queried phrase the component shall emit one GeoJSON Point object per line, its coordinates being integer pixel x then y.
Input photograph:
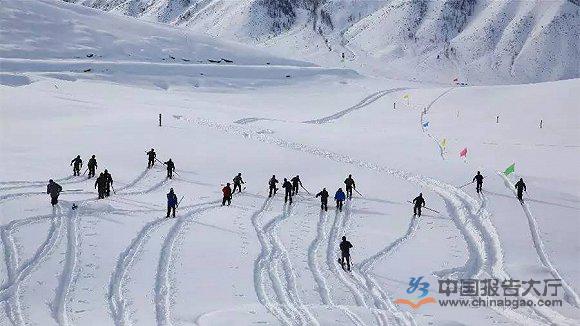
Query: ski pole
{"type": "Point", "coordinates": [179, 202]}
{"type": "Point", "coordinates": [156, 159]}
{"type": "Point", "coordinates": [113, 189]}
{"type": "Point", "coordinates": [467, 184]}
{"type": "Point", "coordinates": [85, 171]}
{"type": "Point", "coordinates": [358, 192]}
{"type": "Point", "coordinates": [308, 192]}
{"type": "Point", "coordinates": [410, 202]}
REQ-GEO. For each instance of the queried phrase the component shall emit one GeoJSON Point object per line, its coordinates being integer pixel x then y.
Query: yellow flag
{"type": "Point", "coordinates": [406, 96]}
{"type": "Point", "coordinates": [444, 143]}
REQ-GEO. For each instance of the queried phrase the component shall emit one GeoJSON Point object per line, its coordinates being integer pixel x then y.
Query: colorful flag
{"type": "Point", "coordinates": [463, 152]}
{"type": "Point", "coordinates": [456, 79]}
{"type": "Point", "coordinates": [510, 169]}
{"type": "Point", "coordinates": [444, 143]}
{"type": "Point", "coordinates": [406, 96]}
{"type": "Point", "coordinates": [425, 124]}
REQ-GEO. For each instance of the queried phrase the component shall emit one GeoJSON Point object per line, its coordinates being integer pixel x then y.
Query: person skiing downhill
{"type": "Point", "coordinates": [170, 168]}
{"type": "Point", "coordinates": [238, 182]}
{"type": "Point", "coordinates": [171, 203]}
{"type": "Point", "coordinates": [92, 165]}
{"type": "Point", "coordinates": [419, 202]}
{"type": "Point", "coordinates": [53, 189]}
{"type": "Point", "coordinates": [520, 187]}
{"type": "Point", "coordinates": [100, 185]}
{"type": "Point", "coordinates": [339, 197]}
{"type": "Point", "coordinates": [272, 184]}
{"type": "Point", "coordinates": [323, 199]}
{"type": "Point", "coordinates": [295, 184]}
{"type": "Point", "coordinates": [479, 179]}
{"type": "Point", "coordinates": [227, 191]}
{"type": "Point", "coordinates": [345, 253]}
{"type": "Point", "coordinates": [78, 163]}
{"type": "Point", "coordinates": [288, 190]}
{"type": "Point", "coordinates": [108, 183]}
{"type": "Point", "coordinates": [349, 182]}
{"type": "Point", "coordinates": [152, 155]}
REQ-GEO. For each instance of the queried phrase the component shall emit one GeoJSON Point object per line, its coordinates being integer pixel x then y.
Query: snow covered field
{"type": "Point", "coordinates": [118, 261]}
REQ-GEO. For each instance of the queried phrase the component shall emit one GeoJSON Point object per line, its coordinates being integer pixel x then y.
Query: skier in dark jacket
{"type": "Point", "coordinates": [101, 185]}
{"type": "Point", "coordinates": [77, 164]}
{"type": "Point", "coordinates": [295, 184]}
{"type": "Point", "coordinates": [53, 189]}
{"type": "Point", "coordinates": [227, 191]}
{"type": "Point", "coordinates": [419, 202]}
{"type": "Point", "coordinates": [288, 190]}
{"type": "Point", "coordinates": [108, 183]}
{"type": "Point", "coordinates": [323, 199]}
{"type": "Point", "coordinates": [345, 253]}
{"type": "Point", "coordinates": [238, 183]}
{"type": "Point", "coordinates": [349, 182]}
{"type": "Point", "coordinates": [339, 197]}
{"type": "Point", "coordinates": [152, 155]}
{"type": "Point", "coordinates": [520, 187]}
{"type": "Point", "coordinates": [92, 165]}
{"type": "Point", "coordinates": [272, 184]}
{"type": "Point", "coordinates": [170, 168]}
{"type": "Point", "coordinates": [479, 179]}
{"type": "Point", "coordinates": [171, 202]}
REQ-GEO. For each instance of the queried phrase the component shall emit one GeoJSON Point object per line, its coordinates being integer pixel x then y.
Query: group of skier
{"type": "Point", "coordinates": [104, 184]}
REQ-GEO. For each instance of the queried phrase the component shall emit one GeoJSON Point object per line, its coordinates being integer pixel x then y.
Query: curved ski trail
{"type": "Point", "coordinates": [570, 295]}
{"type": "Point", "coordinates": [166, 259]}
{"type": "Point", "coordinates": [478, 230]}
{"type": "Point", "coordinates": [364, 102]}
{"type": "Point", "coordinates": [59, 306]}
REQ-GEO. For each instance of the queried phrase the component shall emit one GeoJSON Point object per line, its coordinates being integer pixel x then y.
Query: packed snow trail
{"type": "Point", "coordinates": [317, 274]}
{"type": "Point", "coordinates": [280, 252]}
{"type": "Point", "coordinates": [483, 241]}
{"type": "Point", "coordinates": [116, 296]}
{"type": "Point", "coordinates": [274, 259]}
{"type": "Point", "coordinates": [10, 289]}
{"type": "Point", "coordinates": [570, 295]}
{"type": "Point", "coordinates": [166, 260]}
{"type": "Point", "coordinates": [261, 267]}
{"type": "Point", "coordinates": [364, 270]}
{"type": "Point", "coordinates": [12, 305]}
{"type": "Point", "coordinates": [67, 278]}
{"type": "Point", "coordinates": [364, 102]}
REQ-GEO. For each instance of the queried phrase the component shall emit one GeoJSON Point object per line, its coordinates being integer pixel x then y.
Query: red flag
{"type": "Point", "coordinates": [463, 152]}
{"type": "Point", "coordinates": [456, 79]}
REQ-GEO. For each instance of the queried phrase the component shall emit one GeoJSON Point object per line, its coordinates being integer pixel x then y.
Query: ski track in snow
{"type": "Point", "coordinates": [166, 259]}
{"type": "Point", "coordinates": [364, 102]}
{"type": "Point", "coordinates": [570, 295]}
{"type": "Point", "coordinates": [60, 303]}
{"type": "Point", "coordinates": [483, 241]}
{"type": "Point", "coordinates": [261, 267]}
{"type": "Point", "coordinates": [274, 261]}
{"type": "Point", "coordinates": [317, 274]}
{"type": "Point", "coordinates": [34, 184]}
{"type": "Point", "coordinates": [477, 253]}
{"type": "Point", "coordinates": [9, 292]}
{"type": "Point", "coordinates": [362, 273]}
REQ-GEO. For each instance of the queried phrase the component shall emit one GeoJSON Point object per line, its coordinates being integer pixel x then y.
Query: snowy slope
{"type": "Point", "coordinates": [118, 261]}
{"type": "Point", "coordinates": [478, 41]}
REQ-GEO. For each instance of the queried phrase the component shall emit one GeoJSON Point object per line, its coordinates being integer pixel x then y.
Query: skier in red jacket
{"type": "Point", "coordinates": [227, 195]}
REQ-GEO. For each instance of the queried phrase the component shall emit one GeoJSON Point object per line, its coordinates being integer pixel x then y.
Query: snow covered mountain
{"type": "Point", "coordinates": [479, 41]}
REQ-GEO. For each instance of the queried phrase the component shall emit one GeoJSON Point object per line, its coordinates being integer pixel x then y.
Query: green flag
{"type": "Point", "coordinates": [510, 169]}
